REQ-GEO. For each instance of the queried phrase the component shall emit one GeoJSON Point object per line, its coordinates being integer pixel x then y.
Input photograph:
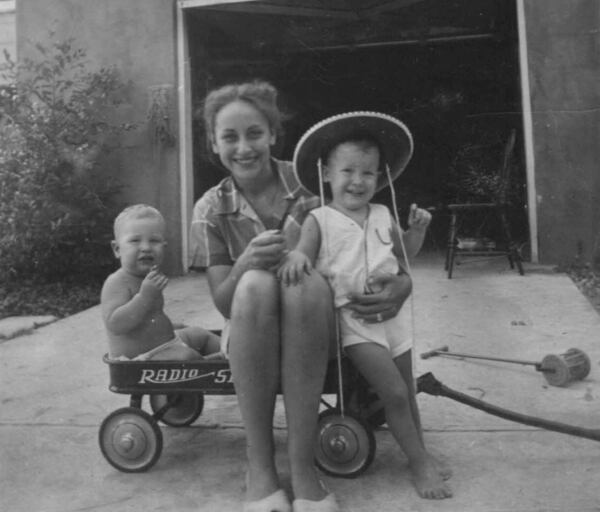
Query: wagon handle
{"type": "Point", "coordinates": [445, 352]}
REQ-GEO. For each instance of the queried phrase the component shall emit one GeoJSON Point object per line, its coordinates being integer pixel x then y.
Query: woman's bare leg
{"type": "Point", "coordinates": [376, 365]}
{"type": "Point", "coordinates": [254, 355]}
{"type": "Point", "coordinates": [307, 330]}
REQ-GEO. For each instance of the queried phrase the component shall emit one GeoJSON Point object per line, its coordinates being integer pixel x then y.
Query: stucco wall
{"type": "Point", "coordinates": [8, 33]}
{"type": "Point", "coordinates": [138, 37]}
{"type": "Point", "coordinates": [563, 41]}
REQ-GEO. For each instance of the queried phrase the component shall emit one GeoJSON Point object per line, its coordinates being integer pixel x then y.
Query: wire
{"type": "Point", "coordinates": [408, 270]}
{"type": "Point", "coordinates": [338, 341]}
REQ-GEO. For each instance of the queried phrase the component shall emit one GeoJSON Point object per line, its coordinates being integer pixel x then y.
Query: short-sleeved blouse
{"type": "Point", "coordinates": [224, 222]}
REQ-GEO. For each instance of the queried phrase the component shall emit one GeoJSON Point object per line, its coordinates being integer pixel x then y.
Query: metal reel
{"type": "Point", "coordinates": [130, 440]}
{"type": "Point", "coordinates": [183, 408]}
{"type": "Point", "coordinates": [559, 374]}
{"type": "Point", "coordinates": [579, 363]}
{"type": "Point", "coordinates": [345, 445]}
{"type": "Point", "coordinates": [574, 364]}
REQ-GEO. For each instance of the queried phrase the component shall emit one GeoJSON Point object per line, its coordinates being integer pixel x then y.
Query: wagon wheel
{"type": "Point", "coordinates": [183, 408]}
{"type": "Point", "coordinates": [345, 445]}
{"type": "Point", "coordinates": [130, 440]}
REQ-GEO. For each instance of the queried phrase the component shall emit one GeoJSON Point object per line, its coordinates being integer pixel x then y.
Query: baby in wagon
{"type": "Point", "coordinates": [132, 297]}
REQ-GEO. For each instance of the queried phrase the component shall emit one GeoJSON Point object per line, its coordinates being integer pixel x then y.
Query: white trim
{"type": "Point", "coordinates": [188, 4]}
{"type": "Point", "coordinates": [184, 107]}
{"type": "Point", "coordinates": [8, 6]}
{"type": "Point", "coordinates": [185, 134]}
{"type": "Point", "coordinates": [528, 133]}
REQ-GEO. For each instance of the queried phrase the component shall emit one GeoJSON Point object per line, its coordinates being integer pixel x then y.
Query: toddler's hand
{"type": "Point", "coordinates": [418, 218]}
{"type": "Point", "coordinates": [153, 284]}
{"type": "Point", "coordinates": [293, 267]}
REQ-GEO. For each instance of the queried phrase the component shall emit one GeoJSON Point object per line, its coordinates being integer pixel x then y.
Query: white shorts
{"type": "Point", "coordinates": [225, 338]}
{"type": "Point", "coordinates": [392, 334]}
{"type": "Point", "coordinates": [146, 356]}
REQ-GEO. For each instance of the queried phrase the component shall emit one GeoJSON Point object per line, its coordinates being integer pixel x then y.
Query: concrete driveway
{"type": "Point", "coordinates": [54, 395]}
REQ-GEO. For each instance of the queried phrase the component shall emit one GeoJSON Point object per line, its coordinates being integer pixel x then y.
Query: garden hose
{"type": "Point", "coordinates": [427, 383]}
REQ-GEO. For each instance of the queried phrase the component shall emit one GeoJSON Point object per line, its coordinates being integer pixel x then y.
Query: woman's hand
{"type": "Point", "coordinates": [385, 304]}
{"type": "Point", "coordinates": [265, 251]}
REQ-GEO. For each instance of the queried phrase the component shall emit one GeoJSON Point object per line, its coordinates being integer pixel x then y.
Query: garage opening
{"type": "Point", "coordinates": [449, 70]}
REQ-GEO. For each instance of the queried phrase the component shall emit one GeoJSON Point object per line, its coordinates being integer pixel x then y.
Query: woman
{"type": "Point", "coordinates": [276, 336]}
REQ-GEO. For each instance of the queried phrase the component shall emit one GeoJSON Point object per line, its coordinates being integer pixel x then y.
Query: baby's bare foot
{"type": "Point", "coordinates": [428, 480]}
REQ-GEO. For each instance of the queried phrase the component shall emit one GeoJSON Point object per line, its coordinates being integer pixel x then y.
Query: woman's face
{"type": "Point", "coordinates": [243, 140]}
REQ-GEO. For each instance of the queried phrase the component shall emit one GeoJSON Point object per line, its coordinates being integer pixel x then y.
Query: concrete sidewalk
{"type": "Point", "coordinates": [54, 396]}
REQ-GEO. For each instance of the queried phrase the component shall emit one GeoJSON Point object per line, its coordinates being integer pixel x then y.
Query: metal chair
{"type": "Point", "coordinates": [496, 209]}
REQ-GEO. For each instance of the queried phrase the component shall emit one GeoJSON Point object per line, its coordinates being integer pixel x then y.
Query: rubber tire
{"type": "Point", "coordinates": [130, 440]}
{"type": "Point", "coordinates": [184, 412]}
{"type": "Point", "coordinates": [345, 445]}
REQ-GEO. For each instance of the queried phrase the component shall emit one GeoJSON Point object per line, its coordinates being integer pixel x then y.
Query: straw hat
{"type": "Point", "coordinates": [393, 137]}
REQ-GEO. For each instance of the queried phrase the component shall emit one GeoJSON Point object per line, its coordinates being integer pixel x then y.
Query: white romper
{"type": "Point", "coordinates": [350, 253]}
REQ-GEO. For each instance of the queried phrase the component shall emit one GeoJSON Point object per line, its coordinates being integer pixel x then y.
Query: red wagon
{"type": "Point", "coordinates": [131, 439]}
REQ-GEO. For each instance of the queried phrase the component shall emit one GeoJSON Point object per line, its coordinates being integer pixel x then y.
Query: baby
{"type": "Point", "coordinates": [132, 297]}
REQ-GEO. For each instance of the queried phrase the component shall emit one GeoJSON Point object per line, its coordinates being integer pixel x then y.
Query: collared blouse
{"type": "Point", "coordinates": [224, 222]}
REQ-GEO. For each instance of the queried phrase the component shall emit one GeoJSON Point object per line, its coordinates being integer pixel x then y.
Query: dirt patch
{"type": "Point", "coordinates": [588, 282]}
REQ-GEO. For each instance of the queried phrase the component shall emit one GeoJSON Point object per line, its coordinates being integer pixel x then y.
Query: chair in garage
{"type": "Point", "coordinates": [488, 215]}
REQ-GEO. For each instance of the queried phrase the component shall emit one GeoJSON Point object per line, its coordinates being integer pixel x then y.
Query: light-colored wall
{"type": "Point", "coordinates": [8, 32]}
{"type": "Point", "coordinates": [563, 41]}
{"type": "Point", "coordinates": [138, 38]}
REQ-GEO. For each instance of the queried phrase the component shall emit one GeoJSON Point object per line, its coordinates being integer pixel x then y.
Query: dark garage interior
{"type": "Point", "coordinates": [449, 70]}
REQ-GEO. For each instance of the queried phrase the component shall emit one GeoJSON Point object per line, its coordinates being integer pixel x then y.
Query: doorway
{"type": "Point", "coordinates": [449, 70]}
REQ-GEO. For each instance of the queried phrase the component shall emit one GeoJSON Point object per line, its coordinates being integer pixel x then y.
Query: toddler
{"type": "Point", "coordinates": [350, 241]}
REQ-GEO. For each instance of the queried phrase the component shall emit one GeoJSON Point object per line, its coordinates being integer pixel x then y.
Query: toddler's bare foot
{"type": "Point", "coordinates": [428, 481]}
{"type": "Point", "coordinates": [443, 468]}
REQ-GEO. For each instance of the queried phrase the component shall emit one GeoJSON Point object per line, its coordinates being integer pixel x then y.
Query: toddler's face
{"type": "Point", "coordinates": [352, 173]}
{"type": "Point", "coordinates": [140, 245]}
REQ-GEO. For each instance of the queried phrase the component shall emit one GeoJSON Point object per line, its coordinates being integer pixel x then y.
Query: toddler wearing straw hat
{"type": "Point", "coordinates": [350, 241]}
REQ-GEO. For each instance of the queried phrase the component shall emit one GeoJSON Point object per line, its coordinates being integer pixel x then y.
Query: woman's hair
{"type": "Point", "coordinates": [261, 95]}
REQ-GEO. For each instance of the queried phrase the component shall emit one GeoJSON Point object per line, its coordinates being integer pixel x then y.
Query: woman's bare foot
{"type": "Point", "coordinates": [260, 484]}
{"type": "Point", "coordinates": [428, 480]}
{"type": "Point", "coordinates": [307, 484]}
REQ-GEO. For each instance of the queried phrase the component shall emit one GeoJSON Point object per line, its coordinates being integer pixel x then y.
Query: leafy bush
{"type": "Point", "coordinates": [58, 298]}
{"type": "Point", "coordinates": [56, 204]}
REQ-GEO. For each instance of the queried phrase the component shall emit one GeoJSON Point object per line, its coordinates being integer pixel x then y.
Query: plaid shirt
{"type": "Point", "coordinates": [224, 222]}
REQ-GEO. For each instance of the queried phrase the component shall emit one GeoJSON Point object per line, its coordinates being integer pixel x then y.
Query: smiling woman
{"type": "Point", "coordinates": [276, 337]}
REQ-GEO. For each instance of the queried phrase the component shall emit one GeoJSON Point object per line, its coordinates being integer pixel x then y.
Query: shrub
{"type": "Point", "coordinates": [56, 204]}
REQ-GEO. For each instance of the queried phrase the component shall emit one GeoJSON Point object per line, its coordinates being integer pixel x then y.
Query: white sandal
{"type": "Point", "coordinates": [327, 504]}
{"type": "Point", "coordinates": [276, 502]}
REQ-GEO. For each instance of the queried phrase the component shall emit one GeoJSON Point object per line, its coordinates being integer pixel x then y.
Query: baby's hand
{"type": "Point", "coordinates": [418, 218]}
{"type": "Point", "coordinates": [293, 267]}
{"type": "Point", "coordinates": [153, 284]}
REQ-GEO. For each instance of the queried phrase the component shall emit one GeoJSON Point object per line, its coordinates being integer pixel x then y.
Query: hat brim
{"type": "Point", "coordinates": [393, 136]}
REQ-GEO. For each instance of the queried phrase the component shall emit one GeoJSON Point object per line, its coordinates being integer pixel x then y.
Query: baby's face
{"type": "Point", "coordinates": [140, 245]}
{"type": "Point", "coordinates": [352, 173]}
